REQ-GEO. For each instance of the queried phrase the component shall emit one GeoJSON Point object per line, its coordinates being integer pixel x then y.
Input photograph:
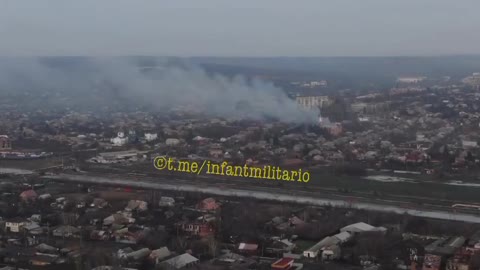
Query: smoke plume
{"type": "Point", "coordinates": [103, 82]}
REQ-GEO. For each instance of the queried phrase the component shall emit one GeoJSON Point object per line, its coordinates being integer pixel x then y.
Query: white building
{"type": "Point", "coordinates": [14, 225]}
{"type": "Point", "coordinates": [166, 201]}
{"type": "Point", "coordinates": [343, 237]}
{"type": "Point", "coordinates": [151, 137]}
{"type": "Point", "coordinates": [411, 79]}
{"type": "Point", "coordinates": [313, 102]}
{"type": "Point", "coordinates": [469, 144]}
{"type": "Point", "coordinates": [120, 140]}
{"type": "Point", "coordinates": [314, 251]}
{"type": "Point", "coordinates": [331, 252]}
{"type": "Point", "coordinates": [313, 84]}
{"type": "Point", "coordinates": [172, 141]}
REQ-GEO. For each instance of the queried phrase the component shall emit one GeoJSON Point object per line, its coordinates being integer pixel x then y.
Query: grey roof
{"type": "Point", "coordinates": [160, 253]}
{"type": "Point", "coordinates": [66, 229]}
{"type": "Point", "coordinates": [180, 261]}
{"type": "Point", "coordinates": [445, 246]}
{"type": "Point", "coordinates": [359, 227]}
{"type": "Point", "coordinates": [139, 254]}
{"type": "Point", "coordinates": [325, 242]}
{"type": "Point", "coordinates": [475, 238]}
{"type": "Point", "coordinates": [45, 248]}
{"type": "Point", "coordinates": [343, 236]}
{"type": "Point", "coordinates": [31, 226]}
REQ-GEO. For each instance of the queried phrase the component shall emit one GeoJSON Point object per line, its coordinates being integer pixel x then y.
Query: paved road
{"type": "Point", "coordinates": [264, 193]}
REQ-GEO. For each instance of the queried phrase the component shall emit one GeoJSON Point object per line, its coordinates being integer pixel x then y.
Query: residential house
{"type": "Point", "coordinates": [460, 260]}
{"type": "Point", "coordinates": [326, 243]}
{"type": "Point", "coordinates": [5, 143]}
{"type": "Point", "coordinates": [172, 142]}
{"type": "Point", "coordinates": [469, 144]}
{"type": "Point", "coordinates": [108, 267]}
{"type": "Point", "coordinates": [216, 151]}
{"type": "Point", "coordinates": [201, 140]}
{"type": "Point", "coordinates": [127, 236]}
{"type": "Point", "coordinates": [66, 231]}
{"type": "Point", "coordinates": [28, 195]}
{"type": "Point", "coordinates": [138, 254]}
{"type": "Point", "coordinates": [280, 246]}
{"type": "Point", "coordinates": [343, 237]}
{"type": "Point", "coordinates": [166, 201]}
{"type": "Point", "coordinates": [36, 218]}
{"type": "Point", "coordinates": [46, 249]}
{"type": "Point", "coordinates": [248, 249]}
{"type": "Point", "coordinates": [136, 205]}
{"type": "Point", "coordinates": [15, 224]}
{"type": "Point", "coordinates": [12, 268]}
{"type": "Point", "coordinates": [296, 222]}
{"type": "Point", "coordinates": [99, 235]}
{"type": "Point", "coordinates": [202, 229]}
{"type": "Point", "coordinates": [118, 218]}
{"type": "Point", "coordinates": [209, 204]}
{"type": "Point", "coordinates": [43, 260]}
{"type": "Point", "coordinates": [331, 253]}
{"type": "Point", "coordinates": [183, 261]}
{"type": "Point", "coordinates": [120, 140]}
{"type": "Point", "coordinates": [33, 228]}
{"type": "Point", "coordinates": [361, 227]}
{"type": "Point", "coordinates": [159, 255]}
{"type": "Point", "coordinates": [445, 246]}
{"type": "Point", "coordinates": [431, 262]}
{"type": "Point", "coordinates": [283, 264]}
{"type": "Point", "coordinates": [99, 203]}
{"type": "Point", "coordinates": [151, 137]}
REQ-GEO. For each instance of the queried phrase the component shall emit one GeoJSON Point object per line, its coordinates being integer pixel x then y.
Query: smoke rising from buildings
{"type": "Point", "coordinates": [102, 82]}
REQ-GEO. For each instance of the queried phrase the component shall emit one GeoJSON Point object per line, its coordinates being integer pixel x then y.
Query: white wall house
{"type": "Point", "coordinates": [151, 136]}
{"type": "Point", "coordinates": [14, 226]}
{"type": "Point", "coordinates": [117, 141]}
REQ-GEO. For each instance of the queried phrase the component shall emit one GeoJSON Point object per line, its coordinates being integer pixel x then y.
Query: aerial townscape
{"type": "Point", "coordinates": [253, 135]}
{"type": "Point", "coordinates": [393, 181]}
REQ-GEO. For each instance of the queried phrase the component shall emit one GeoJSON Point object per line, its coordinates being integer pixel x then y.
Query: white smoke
{"type": "Point", "coordinates": [172, 85]}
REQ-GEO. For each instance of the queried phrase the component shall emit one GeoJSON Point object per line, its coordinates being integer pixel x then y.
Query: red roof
{"type": "Point", "coordinates": [28, 194]}
{"type": "Point", "coordinates": [284, 263]}
{"type": "Point", "coordinates": [208, 204]}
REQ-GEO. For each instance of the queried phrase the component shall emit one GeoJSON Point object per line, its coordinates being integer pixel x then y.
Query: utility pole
{"type": "Point", "coordinates": [48, 232]}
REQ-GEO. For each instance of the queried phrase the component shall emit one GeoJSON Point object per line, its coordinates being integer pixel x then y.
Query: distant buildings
{"type": "Point", "coordinates": [473, 80]}
{"type": "Point", "coordinates": [5, 143]}
{"type": "Point", "coordinates": [151, 137]}
{"type": "Point", "coordinates": [313, 102]}
{"type": "Point", "coordinates": [118, 157]}
{"type": "Point", "coordinates": [311, 84]}
{"type": "Point", "coordinates": [120, 140]}
{"type": "Point", "coordinates": [416, 79]}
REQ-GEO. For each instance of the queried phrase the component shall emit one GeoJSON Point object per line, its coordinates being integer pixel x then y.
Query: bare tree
{"type": "Point", "coordinates": [212, 246]}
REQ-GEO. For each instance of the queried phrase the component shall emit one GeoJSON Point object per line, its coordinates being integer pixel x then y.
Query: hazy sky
{"type": "Point", "coordinates": [239, 28]}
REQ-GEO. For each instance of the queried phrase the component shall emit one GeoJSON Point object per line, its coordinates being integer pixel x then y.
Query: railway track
{"type": "Point", "coordinates": [408, 201]}
{"type": "Point", "coordinates": [236, 189]}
